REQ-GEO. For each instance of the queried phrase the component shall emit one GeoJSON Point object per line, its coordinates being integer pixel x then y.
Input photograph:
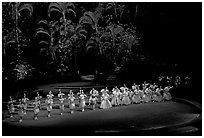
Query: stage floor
{"type": "Point", "coordinates": [135, 119]}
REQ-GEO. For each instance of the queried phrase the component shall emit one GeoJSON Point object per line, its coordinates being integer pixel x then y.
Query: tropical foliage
{"type": "Point", "coordinates": [53, 43]}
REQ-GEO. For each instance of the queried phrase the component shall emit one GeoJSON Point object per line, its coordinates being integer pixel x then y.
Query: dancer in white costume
{"type": "Point", "coordinates": [61, 99]}
{"type": "Point", "coordinates": [105, 103]}
{"type": "Point", "coordinates": [49, 102]}
{"type": "Point", "coordinates": [146, 97]}
{"type": "Point", "coordinates": [125, 97]}
{"type": "Point", "coordinates": [157, 97]}
{"type": "Point", "coordinates": [38, 99]}
{"type": "Point", "coordinates": [166, 95]}
{"type": "Point", "coordinates": [20, 110]}
{"type": "Point", "coordinates": [93, 98]}
{"type": "Point", "coordinates": [82, 101]}
{"type": "Point", "coordinates": [36, 108]}
{"type": "Point", "coordinates": [10, 107]}
{"type": "Point", "coordinates": [24, 103]}
{"type": "Point", "coordinates": [116, 97]}
{"type": "Point", "coordinates": [136, 98]}
{"type": "Point", "coordinates": [71, 99]}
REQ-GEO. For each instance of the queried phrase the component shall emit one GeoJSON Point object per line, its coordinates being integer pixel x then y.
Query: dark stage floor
{"type": "Point", "coordinates": [138, 119]}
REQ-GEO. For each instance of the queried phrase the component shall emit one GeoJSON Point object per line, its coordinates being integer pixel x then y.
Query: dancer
{"type": "Point", "coordinates": [10, 107]}
{"type": "Point", "coordinates": [78, 94]}
{"type": "Point", "coordinates": [61, 99]}
{"type": "Point", "coordinates": [49, 101]}
{"type": "Point", "coordinates": [60, 93]}
{"type": "Point", "coordinates": [82, 100]}
{"type": "Point", "coordinates": [156, 95]}
{"type": "Point", "coordinates": [116, 97]}
{"type": "Point", "coordinates": [125, 97]}
{"type": "Point", "coordinates": [105, 90]}
{"type": "Point", "coordinates": [80, 90]}
{"type": "Point", "coordinates": [71, 99]}
{"type": "Point", "coordinates": [105, 103]}
{"type": "Point", "coordinates": [24, 103]}
{"type": "Point", "coordinates": [38, 98]}
{"type": "Point", "coordinates": [93, 98]}
{"type": "Point", "coordinates": [91, 93]}
{"type": "Point", "coordinates": [123, 88]}
{"type": "Point", "coordinates": [159, 95]}
{"type": "Point", "coordinates": [177, 81]}
{"type": "Point", "coordinates": [144, 85]}
{"type": "Point", "coordinates": [166, 95]}
{"type": "Point", "coordinates": [186, 80]}
{"type": "Point", "coordinates": [134, 87]}
{"type": "Point", "coordinates": [136, 96]}
{"type": "Point", "coordinates": [20, 107]}
{"type": "Point", "coordinates": [146, 97]}
{"type": "Point", "coordinates": [36, 108]}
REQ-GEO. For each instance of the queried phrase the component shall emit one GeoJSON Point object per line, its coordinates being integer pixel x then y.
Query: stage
{"type": "Point", "coordinates": [177, 117]}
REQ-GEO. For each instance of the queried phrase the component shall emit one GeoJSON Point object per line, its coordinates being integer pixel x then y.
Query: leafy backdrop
{"type": "Point", "coordinates": [40, 39]}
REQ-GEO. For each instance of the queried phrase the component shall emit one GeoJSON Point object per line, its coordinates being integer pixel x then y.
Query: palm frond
{"type": "Point", "coordinates": [42, 31]}
{"type": "Point", "coordinates": [86, 20]}
{"type": "Point", "coordinates": [43, 42]}
{"type": "Point", "coordinates": [25, 7]}
{"type": "Point", "coordinates": [54, 7]}
{"type": "Point", "coordinates": [43, 22]}
{"type": "Point", "coordinates": [70, 12]}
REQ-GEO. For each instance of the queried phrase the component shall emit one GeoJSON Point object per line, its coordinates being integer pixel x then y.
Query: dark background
{"type": "Point", "coordinates": [173, 35]}
{"type": "Point", "coordinates": [174, 31]}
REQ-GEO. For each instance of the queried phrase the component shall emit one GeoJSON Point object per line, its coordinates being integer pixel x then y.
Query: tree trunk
{"type": "Point", "coordinates": [16, 27]}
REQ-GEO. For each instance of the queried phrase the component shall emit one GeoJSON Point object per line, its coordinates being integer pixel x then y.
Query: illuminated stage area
{"type": "Point", "coordinates": [176, 117]}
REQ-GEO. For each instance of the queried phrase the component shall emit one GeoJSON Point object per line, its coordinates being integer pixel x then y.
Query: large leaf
{"type": "Point", "coordinates": [65, 9]}
{"type": "Point", "coordinates": [11, 42]}
{"type": "Point", "coordinates": [105, 36]}
{"type": "Point", "coordinates": [110, 6]}
{"type": "Point", "coordinates": [43, 50]}
{"type": "Point", "coordinates": [26, 7]}
{"type": "Point", "coordinates": [42, 31]}
{"type": "Point", "coordinates": [70, 5]}
{"type": "Point", "coordinates": [66, 5]}
{"type": "Point", "coordinates": [42, 42]}
{"type": "Point", "coordinates": [70, 13]}
{"type": "Point", "coordinates": [43, 22]}
{"type": "Point", "coordinates": [91, 16]}
{"type": "Point", "coordinates": [90, 44]}
{"type": "Point", "coordinates": [107, 44]}
{"type": "Point", "coordinates": [54, 7]}
{"type": "Point", "coordinates": [82, 33]}
{"type": "Point", "coordinates": [86, 20]}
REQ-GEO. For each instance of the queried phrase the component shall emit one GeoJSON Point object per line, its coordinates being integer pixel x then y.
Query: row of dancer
{"type": "Point", "coordinates": [118, 96]}
{"type": "Point", "coordinates": [22, 104]}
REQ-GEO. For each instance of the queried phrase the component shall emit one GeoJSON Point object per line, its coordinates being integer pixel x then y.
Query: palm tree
{"type": "Point", "coordinates": [17, 10]}
{"type": "Point", "coordinates": [72, 35]}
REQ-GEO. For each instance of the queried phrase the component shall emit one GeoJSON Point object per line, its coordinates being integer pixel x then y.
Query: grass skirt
{"type": "Point", "coordinates": [116, 101]}
{"type": "Point", "coordinates": [105, 104]}
{"type": "Point", "coordinates": [167, 96]}
{"type": "Point", "coordinates": [136, 98]}
{"type": "Point", "coordinates": [82, 103]}
{"type": "Point", "coordinates": [126, 100]}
